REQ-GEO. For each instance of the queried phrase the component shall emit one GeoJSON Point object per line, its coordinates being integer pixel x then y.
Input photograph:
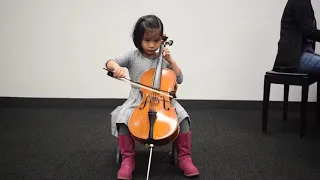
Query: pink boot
{"type": "Point", "coordinates": [183, 144]}
{"type": "Point", "coordinates": [126, 146]}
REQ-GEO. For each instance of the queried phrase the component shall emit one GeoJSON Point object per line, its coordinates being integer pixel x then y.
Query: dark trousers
{"type": "Point", "coordinates": [310, 64]}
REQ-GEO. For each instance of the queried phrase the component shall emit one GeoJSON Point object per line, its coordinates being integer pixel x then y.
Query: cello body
{"type": "Point", "coordinates": [155, 120]}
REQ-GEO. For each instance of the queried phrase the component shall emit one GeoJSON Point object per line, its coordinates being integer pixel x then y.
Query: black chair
{"type": "Point", "coordinates": [287, 79]}
{"type": "Point", "coordinates": [172, 155]}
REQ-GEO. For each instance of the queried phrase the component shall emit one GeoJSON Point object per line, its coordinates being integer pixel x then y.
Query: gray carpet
{"type": "Point", "coordinates": [58, 144]}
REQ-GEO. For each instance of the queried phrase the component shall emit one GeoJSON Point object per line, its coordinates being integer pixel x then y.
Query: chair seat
{"type": "Point", "coordinates": [299, 79]}
{"type": "Point", "coordinates": [286, 74]}
{"type": "Point", "coordinates": [289, 78]}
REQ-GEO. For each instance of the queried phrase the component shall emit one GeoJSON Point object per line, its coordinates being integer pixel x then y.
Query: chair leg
{"type": "Point", "coordinates": [304, 103]}
{"type": "Point", "coordinates": [318, 102]}
{"type": "Point", "coordinates": [174, 154]}
{"type": "Point", "coordinates": [265, 106]}
{"type": "Point", "coordinates": [118, 156]}
{"type": "Point", "coordinates": [172, 158]}
{"type": "Point", "coordinates": [285, 102]}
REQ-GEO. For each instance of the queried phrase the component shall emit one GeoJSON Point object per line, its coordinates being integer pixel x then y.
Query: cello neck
{"type": "Point", "coordinates": [158, 71]}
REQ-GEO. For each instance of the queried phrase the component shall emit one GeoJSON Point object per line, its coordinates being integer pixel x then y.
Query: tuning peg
{"type": "Point", "coordinates": [170, 43]}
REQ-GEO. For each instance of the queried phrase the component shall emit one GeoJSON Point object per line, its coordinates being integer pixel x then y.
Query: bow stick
{"type": "Point", "coordinates": [171, 95]}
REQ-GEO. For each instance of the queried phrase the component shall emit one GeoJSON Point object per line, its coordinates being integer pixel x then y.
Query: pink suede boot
{"type": "Point", "coordinates": [126, 146]}
{"type": "Point", "coordinates": [183, 144]}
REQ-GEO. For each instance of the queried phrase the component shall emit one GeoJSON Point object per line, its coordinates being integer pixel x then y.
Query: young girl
{"type": "Point", "coordinates": [147, 37]}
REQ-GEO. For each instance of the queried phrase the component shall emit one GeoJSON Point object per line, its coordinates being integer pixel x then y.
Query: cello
{"type": "Point", "coordinates": [154, 122]}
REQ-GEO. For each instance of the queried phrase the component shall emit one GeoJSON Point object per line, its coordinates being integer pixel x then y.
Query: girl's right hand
{"type": "Point", "coordinates": [119, 72]}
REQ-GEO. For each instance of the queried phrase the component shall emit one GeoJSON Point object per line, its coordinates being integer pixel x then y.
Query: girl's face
{"type": "Point", "coordinates": [151, 42]}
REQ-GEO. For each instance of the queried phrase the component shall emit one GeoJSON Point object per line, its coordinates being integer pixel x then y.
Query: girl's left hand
{"type": "Point", "coordinates": [166, 54]}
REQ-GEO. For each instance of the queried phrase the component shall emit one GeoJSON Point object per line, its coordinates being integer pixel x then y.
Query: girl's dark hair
{"type": "Point", "coordinates": [144, 22]}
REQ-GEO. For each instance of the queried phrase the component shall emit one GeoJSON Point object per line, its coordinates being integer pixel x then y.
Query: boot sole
{"type": "Point", "coordinates": [192, 175]}
{"type": "Point", "coordinates": [123, 178]}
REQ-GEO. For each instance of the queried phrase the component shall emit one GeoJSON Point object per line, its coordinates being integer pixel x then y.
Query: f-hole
{"type": "Point", "coordinates": [164, 103]}
{"type": "Point", "coordinates": [144, 104]}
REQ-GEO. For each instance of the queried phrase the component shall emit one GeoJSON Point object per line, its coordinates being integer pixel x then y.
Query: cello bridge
{"type": "Point", "coordinates": [154, 99]}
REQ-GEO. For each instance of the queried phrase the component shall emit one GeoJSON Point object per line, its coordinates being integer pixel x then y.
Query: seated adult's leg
{"type": "Point", "coordinates": [309, 63]}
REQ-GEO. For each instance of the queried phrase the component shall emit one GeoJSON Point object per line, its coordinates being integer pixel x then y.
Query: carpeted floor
{"type": "Point", "coordinates": [58, 144]}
